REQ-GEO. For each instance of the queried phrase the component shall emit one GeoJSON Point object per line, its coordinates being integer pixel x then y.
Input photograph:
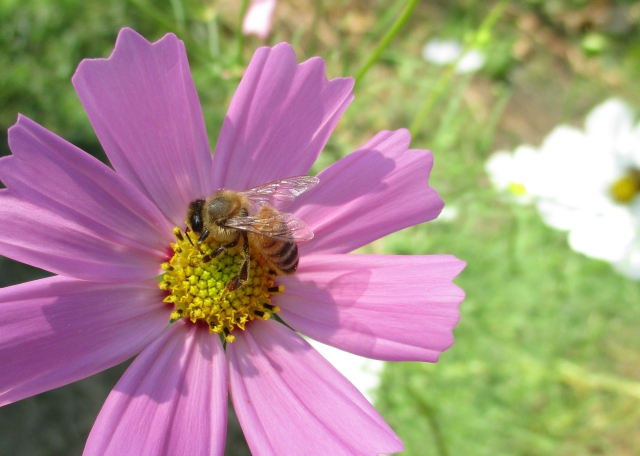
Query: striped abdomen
{"type": "Point", "coordinates": [280, 256]}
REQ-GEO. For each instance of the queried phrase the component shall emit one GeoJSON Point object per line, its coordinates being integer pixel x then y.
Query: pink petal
{"type": "Point", "coordinates": [66, 212]}
{"type": "Point", "coordinates": [171, 401]}
{"type": "Point", "coordinates": [279, 120]}
{"type": "Point", "coordinates": [388, 307]}
{"type": "Point", "coordinates": [376, 190]}
{"type": "Point", "coordinates": [57, 330]}
{"type": "Point", "coordinates": [258, 18]}
{"type": "Point", "coordinates": [145, 110]}
{"type": "Point", "coordinates": [290, 400]}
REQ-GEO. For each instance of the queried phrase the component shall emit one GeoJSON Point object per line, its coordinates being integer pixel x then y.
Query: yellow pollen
{"type": "Point", "coordinates": [627, 187]}
{"type": "Point", "coordinates": [517, 189]}
{"type": "Point", "coordinates": [198, 290]}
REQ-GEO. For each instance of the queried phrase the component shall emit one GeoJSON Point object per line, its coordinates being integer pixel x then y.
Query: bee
{"type": "Point", "coordinates": [227, 217]}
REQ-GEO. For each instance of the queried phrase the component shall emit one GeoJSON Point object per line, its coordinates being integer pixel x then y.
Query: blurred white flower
{"type": "Point", "coordinates": [258, 18]}
{"type": "Point", "coordinates": [515, 172]}
{"type": "Point", "coordinates": [444, 52]}
{"type": "Point", "coordinates": [448, 214]}
{"type": "Point", "coordinates": [364, 373]}
{"type": "Point", "coordinates": [585, 182]}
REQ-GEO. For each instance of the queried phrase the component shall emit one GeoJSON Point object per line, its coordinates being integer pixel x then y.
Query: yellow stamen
{"type": "Point", "coordinates": [627, 187]}
{"type": "Point", "coordinates": [198, 290]}
{"type": "Point", "coordinates": [517, 189]}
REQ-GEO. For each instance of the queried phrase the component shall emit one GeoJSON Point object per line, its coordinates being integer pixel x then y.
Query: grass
{"type": "Point", "coordinates": [546, 350]}
{"type": "Point", "coordinates": [546, 355]}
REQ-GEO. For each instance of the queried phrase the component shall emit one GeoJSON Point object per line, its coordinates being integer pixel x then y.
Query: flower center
{"type": "Point", "coordinates": [199, 291]}
{"type": "Point", "coordinates": [627, 187]}
{"type": "Point", "coordinates": [517, 189]}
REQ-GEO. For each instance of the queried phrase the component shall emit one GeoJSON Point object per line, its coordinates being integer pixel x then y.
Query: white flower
{"type": "Point", "coordinates": [444, 52]}
{"type": "Point", "coordinates": [257, 20]}
{"type": "Point", "coordinates": [585, 182]}
{"type": "Point", "coordinates": [363, 373]}
{"type": "Point", "coordinates": [516, 172]}
{"type": "Point", "coordinates": [449, 214]}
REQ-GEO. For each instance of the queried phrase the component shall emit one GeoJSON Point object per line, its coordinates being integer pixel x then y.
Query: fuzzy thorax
{"type": "Point", "coordinates": [198, 290]}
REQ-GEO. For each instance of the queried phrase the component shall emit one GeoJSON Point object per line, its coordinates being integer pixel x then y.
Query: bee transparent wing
{"type": "Point", "coordinates": [279, 226]}
{"type": "Point", "coordinates": [283, 190]}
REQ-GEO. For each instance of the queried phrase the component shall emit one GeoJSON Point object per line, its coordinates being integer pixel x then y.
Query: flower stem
{"type": "Point", "coordinates": [480, 36]}
{"type": "Point", "coordinates": [194, 46]}
{"type": "Point", "coordinates": [386, 39]}
{"type": "Point", "coordinates": [214, 36]}
{"type": "Point", "coordinates": [239, 35]}
{"type": "Point", "coordinates": [429, 413]}
{"type": "Point", "coordinates": [178, 12]}
{"type": "Point", "coordinates": [433, 96]}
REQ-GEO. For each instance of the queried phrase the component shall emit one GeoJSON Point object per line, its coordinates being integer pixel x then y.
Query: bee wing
{"type": "Point", "coordinates": [284, 190]}
{"type": "Point", "coordinates": [279, 226]}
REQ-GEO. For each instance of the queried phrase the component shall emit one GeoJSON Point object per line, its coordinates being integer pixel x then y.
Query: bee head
{"type": "Point", "coordinates": [194, 216]}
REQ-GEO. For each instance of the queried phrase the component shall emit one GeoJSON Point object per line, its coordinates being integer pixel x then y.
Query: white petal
{"type": "Point", "coordinates": [470, 62]}
{"type": "Point", "coordinates": [442, 52]}
{"type": "Point", "coordinates": [607, 237]}
{"type": "Point", "coordinates": [363, 373]}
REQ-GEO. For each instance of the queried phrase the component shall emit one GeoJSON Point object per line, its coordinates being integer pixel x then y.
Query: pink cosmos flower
{"type": "Point", "coordinates": [257, 20]}
{"type": "Point", "coordinates": [105, 233]}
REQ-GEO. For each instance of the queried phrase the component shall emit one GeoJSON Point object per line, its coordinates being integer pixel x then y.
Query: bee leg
{"type": "Point", "coordinates": [219, 250]}
{"type": "Point", "coordinates": [205, 234]}
{"type": "Point", "coordinates": [237, 281]}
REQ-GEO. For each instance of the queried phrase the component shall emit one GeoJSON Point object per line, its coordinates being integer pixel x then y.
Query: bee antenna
{"type": "Point", "coordinates": [186, 232]}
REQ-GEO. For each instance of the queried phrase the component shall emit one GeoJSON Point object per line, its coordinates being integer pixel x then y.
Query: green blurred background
{"type": "Point", "coordinates": [546, 358]}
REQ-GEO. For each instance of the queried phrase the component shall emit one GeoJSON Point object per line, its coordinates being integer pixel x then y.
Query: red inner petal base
{"type": "Point", "coordinates": [199, 291]}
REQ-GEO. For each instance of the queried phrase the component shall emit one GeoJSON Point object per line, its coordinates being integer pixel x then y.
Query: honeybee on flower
{"type": "Point", "coordinates": [199, 339]}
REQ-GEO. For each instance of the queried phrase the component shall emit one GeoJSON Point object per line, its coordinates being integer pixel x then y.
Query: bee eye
{"type": "Point", "coordinates": [195, 215]}
{"type": "Point", "coordinates": [196, 223]}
